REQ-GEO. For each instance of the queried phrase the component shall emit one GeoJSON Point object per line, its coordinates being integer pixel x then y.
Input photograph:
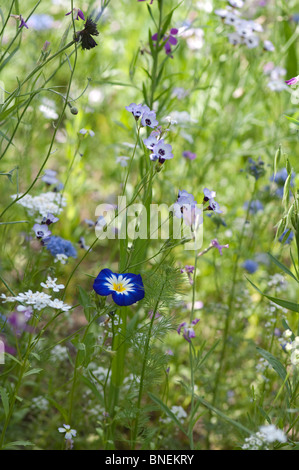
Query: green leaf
{"type": "Point", "coordinates": [167, 411]}
{"type": "Point", "coordinates": [223, 415]}
{"type": "Point", "coordinates": [283, 303]}
{"type": "Point", "coordinates": [5, 400]}
{"type": "Point", "coordinates": [14, 444]}
{"type": "Point", "coordinates": [282, 267]}
{"type": "Point", "coordinates": [32, 371]}
{"type": "Point", "coordinates": [277, 366]}
{"type": "Point", "coordinates": [293, 120]}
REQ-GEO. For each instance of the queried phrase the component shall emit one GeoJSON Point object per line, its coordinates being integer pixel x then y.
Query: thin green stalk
{"type": "Point", "coordinates": [52, 141]}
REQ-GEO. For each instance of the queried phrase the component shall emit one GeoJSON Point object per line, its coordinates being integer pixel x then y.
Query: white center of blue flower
{"type": "Point", "coordinates": [120, 284]}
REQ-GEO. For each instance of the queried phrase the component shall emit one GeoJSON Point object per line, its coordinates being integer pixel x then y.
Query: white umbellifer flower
{"type": "Point", "coordinates": [271, 433]}
{"type": "Point", "coordinates": [287, 333]}
{"type": "Point", "coordinates": [51, 284]}
{"type": "Point", "coordinates": [49, 202]}
{"type": "Point", "coordinates": [59, 353]}
{"type": "Point", "coordinates": [69, 433]}
{"type": "Point", "coordinates": [255, 442]}
{"type": "Point", "coordinates": [295, 357]}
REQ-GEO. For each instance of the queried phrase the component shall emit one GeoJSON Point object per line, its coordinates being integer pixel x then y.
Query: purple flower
{"type": "Point", "coordinates": [189, 155]}
{"type": "Point", "coordinates": [189, 271]}
{"type": "Point", "coordinates": [292, 81]}
{"type": "Point", "coordinates": [22, 22]}
{"type": "Point", "coordinates": [188, 331]}
{"type": "Point", "coordinates": [77, 13]}
{"type": "Point", "coordinates": [157, 314]}
{"type": "Point", "coordinates": [219, 247]}
{"type": "Point", "coordinates": [21, 19]}
{"type": "Point", "coordinates": [169, 40]}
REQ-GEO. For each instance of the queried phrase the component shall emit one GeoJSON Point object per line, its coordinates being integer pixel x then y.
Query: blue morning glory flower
{"type": "Point", "coordinates": [126, 289]}
{"type": "Point", "coordinates": [250, 266]}
{"type": "Point", "coordinates": [58, 245]}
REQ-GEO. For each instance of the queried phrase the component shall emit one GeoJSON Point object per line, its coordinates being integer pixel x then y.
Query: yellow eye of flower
{"type": "Point", "coordinates": [119, 287]}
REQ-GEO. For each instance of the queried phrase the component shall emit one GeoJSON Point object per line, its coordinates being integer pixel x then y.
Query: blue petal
{"type": "Point", "coordinates": [100, 281]}
{"type": "Point", "coordinates": [130, 297]}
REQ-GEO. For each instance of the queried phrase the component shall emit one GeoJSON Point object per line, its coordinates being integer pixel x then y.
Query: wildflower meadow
{"type": "Point", "coordinates": [149, 225]}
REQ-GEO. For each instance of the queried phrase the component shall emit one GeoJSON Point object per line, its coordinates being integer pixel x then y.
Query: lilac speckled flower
{"type": "Point", "coordinates": [42, 231]}
{"type": "Point", "coordinates": [49, 219]}
{"type": "Point", "coordinates": [161, 151]}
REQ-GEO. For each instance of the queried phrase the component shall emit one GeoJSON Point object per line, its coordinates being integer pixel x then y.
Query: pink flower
{"type": "Point", "coordinates": [292, 81]}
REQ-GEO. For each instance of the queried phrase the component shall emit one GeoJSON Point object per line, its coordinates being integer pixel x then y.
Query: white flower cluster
{"type": "Point", "coordinates": [40, 403]}
{"type": "Point", "coordinates": [245, 31]}
{"type": "Point", "coordinates": [51, 284]}
{"type": "Point", "coordinates": [275, 74]}
{"type": "Point", "coordinates": [39, 300]}
{"type": "Point", "coordinates": [266, 435]}
{"type": "Point", "coordinates": [178, 412]}
{"type": "Point", "coordinates": [59, 353]}
{"type": "Point", "coordinates": [43, 204]}
{"type": "Point", "coordinates": [292, 347]}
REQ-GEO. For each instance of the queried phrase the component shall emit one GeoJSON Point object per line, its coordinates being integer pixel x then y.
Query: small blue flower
{"type": "Point", "coordinates": [250, 266]}
{"type": "Point", "coordinates": [255, 206]}
{"type": "Point", "coordinates": [58, 245]}
{"type": "Point", "coordinates": [126, 289]}
{"type": "Point", "coordinates": [288, 239]}
{"type": "Point", "coordinates": [280, 178]}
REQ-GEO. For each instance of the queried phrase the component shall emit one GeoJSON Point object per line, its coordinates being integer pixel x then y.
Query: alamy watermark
{"type": "Point", "coordinates": [132, 221]}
